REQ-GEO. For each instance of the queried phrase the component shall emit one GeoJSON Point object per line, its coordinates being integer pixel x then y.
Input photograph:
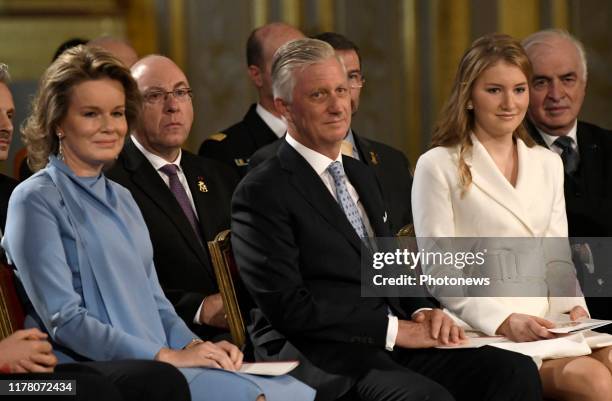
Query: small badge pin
{"type": "Point", "coordinates": [374, 158]}
{"type": "Point", "coordinates": [385, 218]}
{"type": "Point", "coordinates": [201, 185]}
{"type": "Point", "coordinates": [241, 162]}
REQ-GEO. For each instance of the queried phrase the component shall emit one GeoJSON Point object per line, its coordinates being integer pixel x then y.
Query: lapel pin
{"type": "Point", "coordinates": [201, 185]}
{"type": "Point", "coordinates": [374, 158]}
{"type": "Point", "coordinates": [241, 162]}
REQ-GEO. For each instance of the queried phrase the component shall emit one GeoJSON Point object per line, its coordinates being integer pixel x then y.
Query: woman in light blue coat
{"type": "Point", "coordinates": [81, 246]}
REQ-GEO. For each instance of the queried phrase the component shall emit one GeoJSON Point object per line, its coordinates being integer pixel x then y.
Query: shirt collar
{"type": "Point", "coordinates": [155, 160]}
{"type": "Point", "coordinates": [550, 139]}
{"type": "Point", "coordinates": [317, 161]}
{"type": "Point", "coordinates": [277, 125]}
{"type": "Point", "coordinates": [350, 138]}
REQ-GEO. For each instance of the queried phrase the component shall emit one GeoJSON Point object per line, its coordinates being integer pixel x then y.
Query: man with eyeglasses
{"type": "Point", "coordinates": [390, 165]}
{"type": "Point", "coordinates": [184, 198]}
{"type": "Point", "coordinates": [262, 124]}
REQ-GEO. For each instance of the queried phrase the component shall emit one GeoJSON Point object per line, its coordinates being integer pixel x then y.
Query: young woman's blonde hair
{"type": "Point", "coordinates": [456, 121]}
{"type": "Point", "coordinates": [50, 106]}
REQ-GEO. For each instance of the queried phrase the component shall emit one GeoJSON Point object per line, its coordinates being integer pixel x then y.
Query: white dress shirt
{"type": "Point", "coordinates": [550, 139]}
{"type": "Point", "coordinates": [277, 125]}
{"type": "Point", "coordinates": [320, 163]}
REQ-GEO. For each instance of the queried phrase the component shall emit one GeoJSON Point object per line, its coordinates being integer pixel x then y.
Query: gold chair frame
{"type": "Point", "coordinates": [224, 265]}
{"type": "Point", "coordinates": [11, 311]}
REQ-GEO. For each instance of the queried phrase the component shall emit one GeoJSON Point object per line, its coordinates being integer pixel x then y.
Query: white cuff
{"type": "Point", "coordinates": [392, 329]}
{"type": "Point", "coordinates": [196, 318]}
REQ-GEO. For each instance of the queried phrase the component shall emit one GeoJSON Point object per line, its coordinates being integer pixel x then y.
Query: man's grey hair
{"type": "Point", "coordinates": [293, 56]}
{"type": "Point", "coordinates": [542, 37]}
{"type": "Point", "coordinates": [5, 77]}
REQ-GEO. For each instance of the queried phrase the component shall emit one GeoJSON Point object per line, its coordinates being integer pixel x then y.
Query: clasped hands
{"type": "Point", "coordinates": [221, 355]}
{"type": "Point", "coordinates": [522, 328]}
{"type": "Point", "coordinates": [26, 351]}
{"type": "Point", "coordinates": [429, 328]}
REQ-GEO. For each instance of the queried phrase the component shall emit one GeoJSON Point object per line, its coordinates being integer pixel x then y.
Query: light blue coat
{"type": "Point", "coordinates": [83, 254]}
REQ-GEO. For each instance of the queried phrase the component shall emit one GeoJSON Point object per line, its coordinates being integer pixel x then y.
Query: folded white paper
{"type": "Point", "coordinates": [269, 368]}
{"type": "Point", "coordinates": [567, 326]}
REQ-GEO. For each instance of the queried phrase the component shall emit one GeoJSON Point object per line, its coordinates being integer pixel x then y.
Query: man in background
{"type": "Point", "coordinates": [262, 124]}
{"type": "Point", "coordinates": [184, 198]}
{"type": "Point", "coordinates": [556, 95]}
{"type": "Point", "coordinates": [7, 112]}
{"type": "Point", "coordinates": [117, 47]}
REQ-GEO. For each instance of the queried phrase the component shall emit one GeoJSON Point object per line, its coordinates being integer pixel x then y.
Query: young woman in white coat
{"type": "Point", "coordinates": [485, 177]}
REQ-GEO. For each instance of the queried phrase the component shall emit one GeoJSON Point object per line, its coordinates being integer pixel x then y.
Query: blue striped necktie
{"type": "Point", "coordinates": [344, 199]}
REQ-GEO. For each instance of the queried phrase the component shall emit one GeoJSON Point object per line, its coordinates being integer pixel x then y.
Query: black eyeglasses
{"type": "Point", "coordinates": [157, 96]}
{"type": "Point", "coordinates": [356, 80]}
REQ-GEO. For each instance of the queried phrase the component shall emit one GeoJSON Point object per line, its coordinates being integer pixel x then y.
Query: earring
{"type": "Point", "coordinates": [60, 150]}
{"type": "Point", "coordinates": [470, 106]}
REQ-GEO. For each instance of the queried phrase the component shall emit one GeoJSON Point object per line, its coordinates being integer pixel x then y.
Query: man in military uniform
{"type": "Point", "coordinates": [390, 165]}
{"type": "Point", "coordinates": [262, 124]}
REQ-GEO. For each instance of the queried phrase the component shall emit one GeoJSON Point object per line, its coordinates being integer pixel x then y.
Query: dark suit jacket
{"type": "Point", "coordinates": [240, 142]}
{"type": "Point", "coordinates": [588, 192]}
{"type": "Point", "coordinates": [7, 184]}
{"type": "Point", "coordinates": [588, 203]}
{"type": "Point", "coordinates": [392, 170]}
{"type": "Point", "coordinates": [300, 259]}
{"type": "Point", "coordinates": [182, 263]}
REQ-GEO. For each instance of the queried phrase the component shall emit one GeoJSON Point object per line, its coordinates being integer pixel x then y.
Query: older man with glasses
{"type": "Point", "coordinates": [184, 198]}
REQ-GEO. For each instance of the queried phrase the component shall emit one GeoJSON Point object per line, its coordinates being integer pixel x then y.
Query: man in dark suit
{"type": "Point", "coordinates": [184, 198]}
{"type": "Point", "coordinates": [7, 112]}
{"type": "Point", "coordinates": [390, 165]}
{"type": "Point", "coordinates": [300, 223]}
{"type": "Point", "coordinates": [556, 94]}
{"type": "Point", "coordinates": [262, 124]}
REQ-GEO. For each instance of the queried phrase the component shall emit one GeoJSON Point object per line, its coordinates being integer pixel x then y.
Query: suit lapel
{"type": "Point", "coordinates": [533, 132]}
{"type": "Point", "coordinates": [204, 199]}
{"type": "Point", "coordinates": [366, 153]}
{"type": "Point", "coordinates": [364, 182]}
{"type": "Point", "coordinates": [148, 180]}
{"type": "Point", "coordinates": [305, 180]}
{"type": "Point", "coordinates": [487, 177]}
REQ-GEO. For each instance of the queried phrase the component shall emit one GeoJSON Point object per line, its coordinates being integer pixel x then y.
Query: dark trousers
{"type": "Point", "coordinates": [130, 380]}
{"type": "Point", "coordinates": [352, 372]}
{"type": "Point", "coordinates": [485, 374]}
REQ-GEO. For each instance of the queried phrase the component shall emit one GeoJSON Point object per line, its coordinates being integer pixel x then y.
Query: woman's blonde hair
{"type": "Point", "coordinates": [456, 121]}
{"type": "Point", "coordinates": [50, 105]}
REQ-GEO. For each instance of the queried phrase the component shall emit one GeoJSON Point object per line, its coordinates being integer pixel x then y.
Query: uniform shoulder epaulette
{"type": "Point", "coordinates": [218, 137]}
